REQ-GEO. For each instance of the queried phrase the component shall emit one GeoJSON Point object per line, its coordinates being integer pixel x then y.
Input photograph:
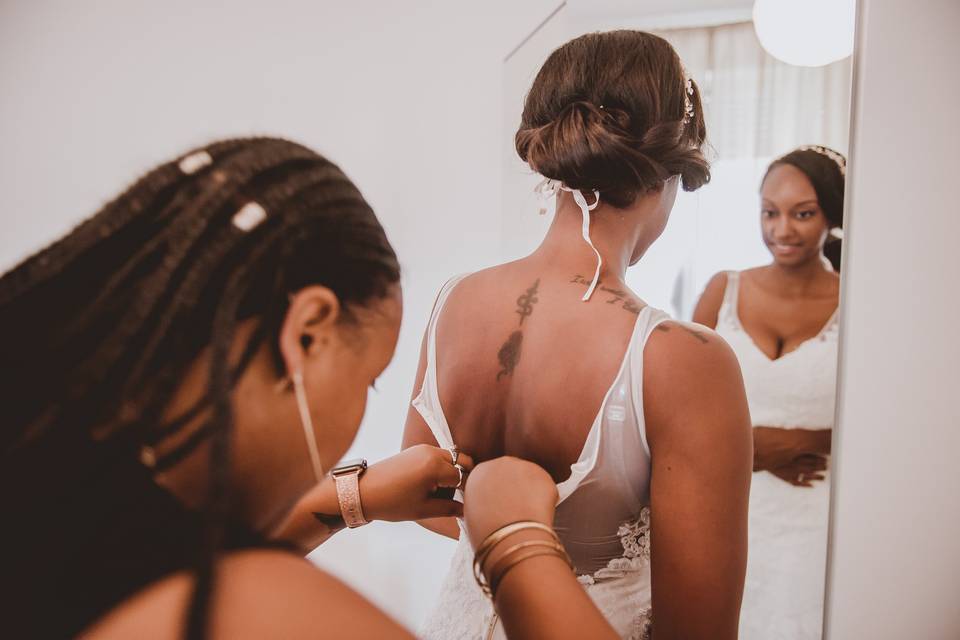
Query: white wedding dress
{"type": "Point", "coordinates": [603, 513]}
{"type": "Point", "coordinates": [786, 565]}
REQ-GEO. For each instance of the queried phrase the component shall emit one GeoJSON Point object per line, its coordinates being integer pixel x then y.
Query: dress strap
{"type": "Point", "coordinates": [434, 319]}
{"type": "Point", "coordinates": [731, 297]}
{"type": "Point", "coordinates": [427, 402]}
{"type": "Point", "coordinates": [650, 319]}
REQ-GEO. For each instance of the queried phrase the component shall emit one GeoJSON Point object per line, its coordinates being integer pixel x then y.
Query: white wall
{"type": "Point", "coordinates": [405, 96]}
{"type": "Point", "coordinates": [895, 548]}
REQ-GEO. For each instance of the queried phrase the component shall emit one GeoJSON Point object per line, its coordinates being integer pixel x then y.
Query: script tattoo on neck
{"type": "Point", "coordinates": [509, 353]}
{"type": "Point", "coordinates": [618, 296]}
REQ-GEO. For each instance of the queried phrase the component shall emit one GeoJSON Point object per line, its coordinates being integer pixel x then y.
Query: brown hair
{"type": "Point", "coordinates": [607, 112]}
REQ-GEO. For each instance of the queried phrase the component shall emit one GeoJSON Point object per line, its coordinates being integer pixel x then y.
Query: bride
{"type": "Point", "coordinates": [640, 420]}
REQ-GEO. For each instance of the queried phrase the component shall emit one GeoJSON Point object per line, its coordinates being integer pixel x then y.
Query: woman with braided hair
{"type": "Point", "coordinates": [183, 369]}
{"type": "Point", "coordinates": [157, 350]}
{"type": "Point", "coordinates": [640, 420]}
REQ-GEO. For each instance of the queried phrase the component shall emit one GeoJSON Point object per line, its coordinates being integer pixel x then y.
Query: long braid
{"type": "Point", "coordinates": [218, 507]}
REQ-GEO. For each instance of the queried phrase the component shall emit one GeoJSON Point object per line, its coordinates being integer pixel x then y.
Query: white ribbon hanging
{"type": "Point", "coordinates": [548, 188]}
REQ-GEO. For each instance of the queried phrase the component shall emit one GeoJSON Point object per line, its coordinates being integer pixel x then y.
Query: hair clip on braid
{"type": "Point", "coordinates": [249, 216]}
{"type": "Point", "coordinates": [194, 162]}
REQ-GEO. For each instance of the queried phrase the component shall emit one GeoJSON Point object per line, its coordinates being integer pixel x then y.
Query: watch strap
{"type": "Point", "coordinates": [348, 495]}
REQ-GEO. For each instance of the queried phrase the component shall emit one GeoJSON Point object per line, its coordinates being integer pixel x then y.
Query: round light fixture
{"type": "Point", "coordinates": [810, 33]}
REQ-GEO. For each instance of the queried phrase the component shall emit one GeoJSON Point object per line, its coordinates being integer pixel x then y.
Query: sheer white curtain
{"type": "Point", "coordinates": [756, 109]}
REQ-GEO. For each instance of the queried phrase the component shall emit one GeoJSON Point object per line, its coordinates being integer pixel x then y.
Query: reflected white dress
{"type": "Point", "coordinates": [603, 513]}
{"type": "Point", "coordinates": [786, 562]}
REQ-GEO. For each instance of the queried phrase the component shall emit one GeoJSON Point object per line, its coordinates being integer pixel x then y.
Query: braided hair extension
{"type": "Point", "coordinates": [64, 290]}
{"type": "Point", "coordinates": [280, 195]}
{"type": "Point", "coordinates": [102, 325]}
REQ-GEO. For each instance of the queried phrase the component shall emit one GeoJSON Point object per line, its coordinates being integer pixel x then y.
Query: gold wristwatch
{"type": "Point", "coordinates": [346, 478]}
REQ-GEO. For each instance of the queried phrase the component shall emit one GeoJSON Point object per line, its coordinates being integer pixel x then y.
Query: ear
{"type": "Point", "coordinates": [308, 325]}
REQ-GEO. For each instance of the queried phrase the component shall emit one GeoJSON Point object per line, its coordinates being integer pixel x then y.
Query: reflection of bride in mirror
{"type": "Point", "coordinates": [780, 319]}
{"type": "Point", "coordinates": [640, 420]}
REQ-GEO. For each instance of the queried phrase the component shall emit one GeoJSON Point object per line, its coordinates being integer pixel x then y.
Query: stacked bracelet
{"type": "Point", "coordinates": [515, 554]}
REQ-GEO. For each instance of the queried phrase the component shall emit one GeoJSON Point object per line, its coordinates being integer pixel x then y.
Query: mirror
{"type": "Point", "coordinates": [743, 256]}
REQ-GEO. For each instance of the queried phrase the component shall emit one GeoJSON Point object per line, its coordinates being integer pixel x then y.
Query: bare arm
{"type": "Point", "coordinates": [796, 456]}
{"type": "Point", "coordinates": [698, 428]}
{"type": "Point", "coordinates": [402, 487]}
{"type": "Point", "coordinates": [817, 441]}
{"type": "Point", "coordinates": [708, 307]}
{"type": "Point", "coordinates": [416, 431]}
{"type": "Point", "coordinates": [313, 520]}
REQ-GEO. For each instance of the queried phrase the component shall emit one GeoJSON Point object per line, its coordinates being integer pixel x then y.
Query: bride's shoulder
{"type": "Point", "coordinates": [692, 376]}
{"type": "Point", "coordinates": [687, 353]}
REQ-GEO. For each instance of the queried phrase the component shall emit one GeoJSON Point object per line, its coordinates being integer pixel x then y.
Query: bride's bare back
{"type": "Point", "coordinates": [523, 364]}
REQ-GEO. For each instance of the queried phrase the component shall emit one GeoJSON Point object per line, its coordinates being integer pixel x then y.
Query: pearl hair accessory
{"type": "Point", "coordinates": [687, 103]}
{"type": "Point", "coordinates": [830, 153]}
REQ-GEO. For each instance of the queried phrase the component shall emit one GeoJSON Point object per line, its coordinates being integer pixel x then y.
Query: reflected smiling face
{"type": "Point", "coordinates": [793, 224]}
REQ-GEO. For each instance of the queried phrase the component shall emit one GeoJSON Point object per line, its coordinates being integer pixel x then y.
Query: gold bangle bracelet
{"type": "Point", "coordinates": [496, 569]}
{"type": "Point", "coordinates": [509, 529]}
{"type": "Point", "coordinates": [495, 580]}
{"type": "Point", "coordinates": [497, 537]}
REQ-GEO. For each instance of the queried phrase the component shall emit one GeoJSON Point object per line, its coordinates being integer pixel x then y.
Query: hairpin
{"type": "Point", "coordinates": [687, 102]}
{"type": "Point", "coordinates": [195, 161]}
{"type": "Point", "coordinates": [249, 216]}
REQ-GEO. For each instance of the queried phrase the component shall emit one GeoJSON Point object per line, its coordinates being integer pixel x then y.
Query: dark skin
{"type": "Point", "coordinates": [781, 306]}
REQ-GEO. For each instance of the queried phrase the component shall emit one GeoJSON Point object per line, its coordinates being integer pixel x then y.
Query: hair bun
{"type": "Point", "coordinates": [640, 137]}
